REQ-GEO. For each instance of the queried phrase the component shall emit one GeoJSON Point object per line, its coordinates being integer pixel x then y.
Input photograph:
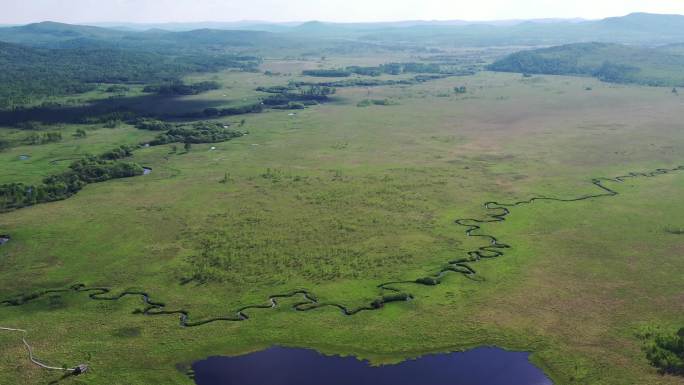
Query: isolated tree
{"type": "Point", "coordinates": [225, 179]}
{"type": "Point", "coordinates": [188, 146]}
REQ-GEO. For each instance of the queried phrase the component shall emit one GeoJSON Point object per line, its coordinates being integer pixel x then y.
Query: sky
{"type": "Point", "coordinates": [159, 11]}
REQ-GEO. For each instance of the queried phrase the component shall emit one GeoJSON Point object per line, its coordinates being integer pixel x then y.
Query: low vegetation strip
{"type": "Point", "coordinates": [390, 69]}
{"type": "Point", "coordinates": [309, 301]}
{"type": "Point", "coordinates": [365, 82]}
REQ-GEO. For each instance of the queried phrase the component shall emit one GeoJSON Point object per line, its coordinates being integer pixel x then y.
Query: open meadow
{"type": "Point", "coordinates": [343, 196]}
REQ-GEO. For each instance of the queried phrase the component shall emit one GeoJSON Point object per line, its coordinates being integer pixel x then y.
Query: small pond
{"type": "Point", "coordinates": [147, 171]}
{"type": "Point", "coordinates": [4, 239]}
{"type": "Point", "coordinates": [288, 366]}
{"type": "Point", "coordinates": [24, 157]}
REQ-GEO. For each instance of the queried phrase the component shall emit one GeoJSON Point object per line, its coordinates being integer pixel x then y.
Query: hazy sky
{"type": "Point", "coordinates": [75, 11]}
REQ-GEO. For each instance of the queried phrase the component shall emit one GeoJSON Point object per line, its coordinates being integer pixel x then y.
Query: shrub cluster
{"type": "Point", "coordinates": [200, 132]}
{"type": "Point", "coordinates": [327, 73]}
{"type": "Point", "coordinates": [46, 137]}
{"type": "Point", "coordinates": [428, 281]}
{"type": "Point", "coordinates": [377, 102]}
{"type": "Point", "coordinates": [118, 153]}
{"type": "Point", "coordinates": [398, 297]}
{"type": "Point", "coordinates": [152, 124]}
{"type": "Point", "coordinates": [667, 353]}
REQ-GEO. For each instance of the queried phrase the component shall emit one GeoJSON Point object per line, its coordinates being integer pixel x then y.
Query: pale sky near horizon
{"type": "Point", "coordinates": [155, 11]}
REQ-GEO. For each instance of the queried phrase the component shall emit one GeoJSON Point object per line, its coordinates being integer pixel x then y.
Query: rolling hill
{"type": "Point", "coordinates": [662, 66]}
{"type": "Point", "coordinates": [59, 35]}
{"type": "Point", "coordinates": [636, 28]}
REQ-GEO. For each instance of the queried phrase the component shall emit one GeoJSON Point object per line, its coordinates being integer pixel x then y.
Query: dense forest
{"type": "Point", "coordinates": [608, 62]}
{"type": "Point", "coordinates": [29, 74]}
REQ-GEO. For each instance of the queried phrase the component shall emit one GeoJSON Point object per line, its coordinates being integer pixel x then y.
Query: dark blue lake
{"type": "Point", "coordinates": [287, 366]}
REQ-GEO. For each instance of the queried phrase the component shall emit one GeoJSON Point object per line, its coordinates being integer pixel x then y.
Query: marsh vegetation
{"type": "Point", "coordinates": [328, 193]}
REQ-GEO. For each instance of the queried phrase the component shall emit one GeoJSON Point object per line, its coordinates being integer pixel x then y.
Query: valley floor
{"type": "Point", "coordinates": [337, 199]}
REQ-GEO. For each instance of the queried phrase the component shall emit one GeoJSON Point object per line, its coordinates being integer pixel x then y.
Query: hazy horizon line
{"type": "Point", "coordinates": [115, 23]}
{"type": "Point", "coordinates": [266, 21]}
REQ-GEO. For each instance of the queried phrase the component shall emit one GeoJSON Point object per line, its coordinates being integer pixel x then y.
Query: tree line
{"type": "Point", "coordinates": [291, 97]}
{"type": "Point", "coordinates": [374, 71]}
{"type": "Point", "coordinates": [89, 169]}
{"type": "Point", "coordinates": [178, 87]}
{"type": "Point", "coordinates": [199, 132]}
{"type": "Point", "coordinates": [365, 82]}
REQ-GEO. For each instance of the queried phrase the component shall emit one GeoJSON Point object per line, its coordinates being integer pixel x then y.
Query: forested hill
{"type": "Point", "coordinates": [47, 33]}
{"type": "Point", "coordinates": [59, 35]}
{"type": "Point", "coordinates": [662, 66]}
{"type": "Point", "coordinates": [28, 72]}
{"type": "Point", "coordinates": [636, 28]}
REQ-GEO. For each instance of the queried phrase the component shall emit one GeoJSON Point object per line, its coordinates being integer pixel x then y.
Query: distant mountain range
{"type": "Point", "coordinates": [257, 25]}
{"type": "Point", "coordinates": [637, 28]}
{"type": "Point", "coordinates": [58, 35]}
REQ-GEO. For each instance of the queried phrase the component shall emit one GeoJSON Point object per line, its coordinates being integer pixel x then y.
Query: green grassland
{"type": "Point", "coordinates": [51, 158]}
{"type": "Point", "coordinates": [337, 199]}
